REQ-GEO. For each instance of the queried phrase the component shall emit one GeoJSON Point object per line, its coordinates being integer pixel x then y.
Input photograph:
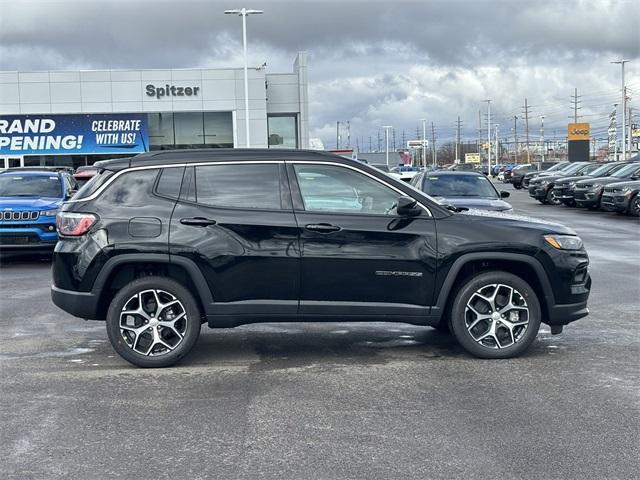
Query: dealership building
{"type": "Point", "coordinates": [73, 118]}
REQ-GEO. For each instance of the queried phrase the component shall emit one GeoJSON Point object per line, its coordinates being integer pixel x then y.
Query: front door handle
{"type": "Point", "coordinates": [322, 228]}
{"type": "Point", "coordinates": [198, 221]}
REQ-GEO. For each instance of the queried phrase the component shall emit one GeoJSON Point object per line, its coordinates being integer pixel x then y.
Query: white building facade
{"type": "Point", "coordinates": [75, 118]}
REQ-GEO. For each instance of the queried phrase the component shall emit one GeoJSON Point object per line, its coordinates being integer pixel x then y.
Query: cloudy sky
{"type": "Point", "coordinates": [371, 62]}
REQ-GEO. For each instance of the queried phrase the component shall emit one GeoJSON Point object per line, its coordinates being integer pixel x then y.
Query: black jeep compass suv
{"type": "Point", "coordinates": [159, 243]}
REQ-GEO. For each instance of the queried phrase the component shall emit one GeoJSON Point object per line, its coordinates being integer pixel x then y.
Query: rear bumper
{"type": "Point", "coordinates": [78, 304]}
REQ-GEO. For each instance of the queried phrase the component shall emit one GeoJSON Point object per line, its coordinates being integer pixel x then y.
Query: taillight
{"type": "Point", "coordinates": [74, 224]}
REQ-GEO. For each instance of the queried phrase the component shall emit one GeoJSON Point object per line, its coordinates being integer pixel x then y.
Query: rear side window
{"type": "Point", "coordinates": [239, 186]}
{"type": "Point", "coordinates": [93, 184]}
{"type": "Point", "coordinates": [169, 182]}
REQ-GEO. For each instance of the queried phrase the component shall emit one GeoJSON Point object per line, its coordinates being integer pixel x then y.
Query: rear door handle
{"type": "Point", "coordinates": [322, 228]}
{"type": "Point", "coordinates": [198, 221]}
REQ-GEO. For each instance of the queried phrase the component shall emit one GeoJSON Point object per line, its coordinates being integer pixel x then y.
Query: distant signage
{"type": "Point", "coordinates": [170, 91]}
{"type": "Point", "coordinates": [635, 131]}
{"type": "Point", "coordinates": [417, 143]}
{"type": "Point", "coordinates": [471, 158]}
{"type": "Point", "coordinates": [73, 134]}
{"type": "Point", "coordinates": [578, 131]}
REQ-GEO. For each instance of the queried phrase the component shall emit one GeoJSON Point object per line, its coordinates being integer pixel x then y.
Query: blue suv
{"type": "Point", "coordinates": [29, 202]}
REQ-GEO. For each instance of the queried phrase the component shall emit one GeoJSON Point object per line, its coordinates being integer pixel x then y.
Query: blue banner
{"type": "Point", "coordinates": [73, 134]}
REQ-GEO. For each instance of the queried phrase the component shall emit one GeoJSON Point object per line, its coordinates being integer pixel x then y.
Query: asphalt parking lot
{"type": "Point", "coordinates": [329, 401]}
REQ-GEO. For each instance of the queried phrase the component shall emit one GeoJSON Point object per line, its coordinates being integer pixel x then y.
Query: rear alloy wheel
{"type": "Point", "coordinates": [634, 207]}
{"type": "Point", "coordinates": [495, 315]}
{"type": "Point", "coordinates": [153, 322]}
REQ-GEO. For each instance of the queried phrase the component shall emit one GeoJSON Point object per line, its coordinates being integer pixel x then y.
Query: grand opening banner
{"type": "Point", "coordinates": [73, 134]}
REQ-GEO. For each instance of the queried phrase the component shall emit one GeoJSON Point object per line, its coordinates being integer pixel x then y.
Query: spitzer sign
{"type": "Point", "coordinates": [73, 134]}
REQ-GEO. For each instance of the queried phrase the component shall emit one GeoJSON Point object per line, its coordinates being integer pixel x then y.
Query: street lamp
{"type": "Point", "coordinates": [624, 111]}
{"type": "Point", "coordinates": [243, 12]}
{"type": "Point", "coordinates": [386, 139]}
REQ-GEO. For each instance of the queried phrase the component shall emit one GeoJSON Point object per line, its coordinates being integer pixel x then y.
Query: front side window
{"type": "Point", "coordinates": [239, 186]}
{"type": "Point", "coordinates": [330, 188]}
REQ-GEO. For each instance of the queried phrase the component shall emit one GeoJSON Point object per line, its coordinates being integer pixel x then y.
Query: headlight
{"type": "Point", "coordinates": [596, 186]}
{"type": "Point", "coordinates": [627, 190]}
{"type": "Point", "coordinates": [572, 185]}
{"type": "Point", "coordinates": [564, 242]}
{"type": "Point", "coordinates": [49, 213]}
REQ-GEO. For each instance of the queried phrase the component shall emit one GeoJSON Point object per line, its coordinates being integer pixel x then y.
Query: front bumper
{"type": "Point", "coordinates": [563, 193]}
{"type": "Point", "coordinates": [616, 202]}
{"type": "Point", "coordinates": [24, 235]}
{"type": "Point", "coordinates": [587, 198]}
{"type": "Point", "coordinates": [538, 192]}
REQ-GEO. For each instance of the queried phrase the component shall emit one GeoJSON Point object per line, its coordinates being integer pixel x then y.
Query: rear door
{"type": "Point", "coordinates": [358, 256]}
{"type": "Point", "coordinates": [236, 222]}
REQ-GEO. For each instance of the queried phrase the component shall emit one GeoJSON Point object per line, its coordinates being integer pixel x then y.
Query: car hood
{"type": "Point", "coordinates": [517, 221]}
{"type": "Point", "coordinates": [575, 179]}
{"type": "Point", "coordinates": [479, 203]}
{"type": "Point", "coordinates": [546, 178]}
{"type": "Point", "coordinates": [29, 203]}
{"type": "Point", "coordinates": [601, 180]}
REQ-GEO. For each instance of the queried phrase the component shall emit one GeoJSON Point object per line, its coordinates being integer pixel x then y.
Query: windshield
{"type": "Point", "coordinates": [30, 186]}
{"type": "Point", "coordinates": [627, 170]}
{"type": "Point", "coordinates": [557, 166]}
{"type": "Point", "coordinates": [603, 170]}
{"type": "Point", "coordinates": [459, 186]}
{"type": "Point", "coordinates": [574, 168]}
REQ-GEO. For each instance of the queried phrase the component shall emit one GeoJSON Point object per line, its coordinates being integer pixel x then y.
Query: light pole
{"type": "Point", "coordinates": [542, 135]}
{"type": "Point", "coordinates": [243, 12]}
{"type": "Point", "coordinates": [424, 142]}
{"type": "Point", "coordinates": [488, 133]}
{"type": "Point", "coordinates": [624, 111]}
{"type": "Point", "coordinates": [386, 139]}
{"type": "Point", "coordinates": [497, 144]}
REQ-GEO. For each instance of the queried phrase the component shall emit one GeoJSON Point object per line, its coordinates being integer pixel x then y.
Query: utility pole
{"type": "Point", "coordinates": [526, 126]}
{"type": "Point", "coordinates": [515, 137]}
{"type": "Point", "coordinates": [404, 140]}
{"type": "Point", "coordinates": [497, 144]}
{"type": "Point", "coordinates": [479, 130]}
{"type": "Point", "coordinates": [433, 145]}
{"type": "Point", "coordinates": [369, 143]}
{"type": "Point", "coordinates": [348, 134]}
{"type": "Point", "coordinates": [624, 110]}
{"type": "Point", "coordinates": [379, 140]}
{"type": "Point", "coordinates": [575, 102]}
{"type": "Point", "coordinates": [458, 123]}
{"type": "Point", "coordinates": [424, 142]}
{"type": "Point", "coordinates": [393, 132]}
{"type": "Point", "coordinates": [542, 135]}
{"type": "Point", "coordinates": [338, 135]}
{"type": "Point", "coordinates": [489, 133]}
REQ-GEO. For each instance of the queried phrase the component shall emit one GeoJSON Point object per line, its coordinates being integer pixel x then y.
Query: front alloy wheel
{"type": "Point", "coordinates": [634, 209]}
{"type": "Point", "coordinates": [495, 315]}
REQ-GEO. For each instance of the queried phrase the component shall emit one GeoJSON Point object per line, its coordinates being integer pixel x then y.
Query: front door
{"type": "Point", "coordinates": [237, 223]}
{"type": "Point", "coordinates": [358, 256]}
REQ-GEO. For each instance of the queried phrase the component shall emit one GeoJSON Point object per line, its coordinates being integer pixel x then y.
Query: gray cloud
{"type": "Point", "coordinates": [371, 62]}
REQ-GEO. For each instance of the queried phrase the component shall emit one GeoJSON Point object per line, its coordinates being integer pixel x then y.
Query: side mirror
{"type": "Point", "coordinates": [70, 193]}
{"type": "Point", "coordinates": [408, 207]}
{"type": "Point", "coordinates": [504, 194]}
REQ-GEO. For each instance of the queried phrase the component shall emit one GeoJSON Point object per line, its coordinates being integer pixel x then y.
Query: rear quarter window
{"type": "Point", "coordinates": [93, 184]}
{"type": "Point", "coordinates": [131, 189]}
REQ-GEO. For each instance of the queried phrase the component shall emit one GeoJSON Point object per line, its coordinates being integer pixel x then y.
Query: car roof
{"type": "Point", "coordinates": [441, 173]}
{"type": "Point", "coordinates": [33, 173]}
{"type": "Point", "coordinates": [168, 157]}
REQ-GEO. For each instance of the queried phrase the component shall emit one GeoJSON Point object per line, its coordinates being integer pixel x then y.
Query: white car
{"type": "Point", "coordinates": [500, 177]}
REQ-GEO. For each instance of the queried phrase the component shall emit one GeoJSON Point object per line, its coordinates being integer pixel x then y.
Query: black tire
{"type": "Point", "coordinates": [458, 318]}
{"type": "Point", "coordinates": [191, 324]}
{"type": "Point", "coordinates": [551, 198]}
{"type": "Point", "coordinates": [634, 206]}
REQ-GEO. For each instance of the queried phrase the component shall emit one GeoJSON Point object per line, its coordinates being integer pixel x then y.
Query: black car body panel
{"type": "Point", "coordinates": [284, 261]}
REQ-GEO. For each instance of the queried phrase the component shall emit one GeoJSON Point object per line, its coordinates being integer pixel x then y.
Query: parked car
{"type": "Point", "coordinates": [588, 193]}
{"type": "Point", "coordinates": [558, 167]}
{"type": "Point", "coordinates": [541, 187]}
{"type": "Point", "coordinates": [159, 243]}
{"type": "Point", "coordinates": [462, 190]}
{"type": "Point", "coordinates": [482, 168]}
{"type": "Point", "coordinates": [563, 187]}
{"type": "Point", "coordinates": [84, 174]}
{"type": "Point", "coordinates": [518, 172]}
{"type": "Point", "coordinates": [462, 167]}
{"type": "Point", "coordinates": [29, 202]}
{"type": "Point", "coordinates": [404, 173]}
{"type": "Point", "coordinates": [622, 197]}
